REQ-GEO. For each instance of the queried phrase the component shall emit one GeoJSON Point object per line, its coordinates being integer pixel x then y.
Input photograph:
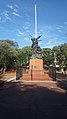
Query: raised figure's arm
{"type": "Point", "coordinates": [38, 37]}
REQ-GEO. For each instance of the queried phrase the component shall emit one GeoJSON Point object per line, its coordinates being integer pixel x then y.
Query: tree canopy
{"type": "Point", "coordinates": [11, 55]}
{"type": "Point", "coordinates": [61, 54]}
{"type": "Point", "coordinates": [47, 56]}
{"type": "Point", "coordinates": [7, 52]}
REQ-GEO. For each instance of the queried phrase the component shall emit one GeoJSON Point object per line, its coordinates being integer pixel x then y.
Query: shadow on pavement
{"type": "Point", "coordinates": [2, 82]}
{"type": "Point", "coordinates": [61, 76]}
{"type": "Point", "coordinates": [32, 101]}
{"type": "Point", "coordinates": [62, 84]}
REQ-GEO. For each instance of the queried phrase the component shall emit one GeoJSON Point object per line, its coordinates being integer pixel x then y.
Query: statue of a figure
{"type": "Point", "coordinates": [34, 45]}
{"type": "Point", "coordinates": [36, 49]}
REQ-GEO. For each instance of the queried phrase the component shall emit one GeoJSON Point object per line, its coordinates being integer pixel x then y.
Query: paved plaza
{"type": "Point", "coordinates": [33, 100]}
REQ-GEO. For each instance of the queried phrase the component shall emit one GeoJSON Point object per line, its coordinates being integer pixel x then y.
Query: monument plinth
{"type": "Point", "coordinates": [36, 69]}
{"type": "Point", "coordinates": [36, 64]}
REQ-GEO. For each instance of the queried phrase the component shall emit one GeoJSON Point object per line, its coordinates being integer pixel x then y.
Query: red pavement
{"type": "Point", "coordinates": [33, 100]}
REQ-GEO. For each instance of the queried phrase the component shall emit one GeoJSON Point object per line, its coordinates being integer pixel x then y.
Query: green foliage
{"type": "Point", "coordinates": [48, 56]}
{"type": "Point", "coordinates": [7, 53]}
{"type": "Point", "coordinates": [61, 54]}
{"type": "Point", "coordinates": [11, 55]}
{"type": "Point", "coordinates": [24, 54]}
{"type": "Point", "coordinates": [10, 42]}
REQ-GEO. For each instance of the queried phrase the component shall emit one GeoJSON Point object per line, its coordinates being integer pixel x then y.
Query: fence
{"type": "Point", "coordinates": [19, 71]}
{"type": "Point", "coordinates": [57, 74]}
{"type": "Point", "coordinates": [52, 72]}
{"type": "Point", "coordinates": [27, 74]}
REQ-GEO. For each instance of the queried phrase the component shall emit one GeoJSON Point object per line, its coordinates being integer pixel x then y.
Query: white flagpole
{"type": "Point", "coordinates": [35, 21]}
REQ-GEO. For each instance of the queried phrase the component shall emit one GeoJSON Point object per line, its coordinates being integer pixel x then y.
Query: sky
{"type": "Point", "coordinates": [17, 21]}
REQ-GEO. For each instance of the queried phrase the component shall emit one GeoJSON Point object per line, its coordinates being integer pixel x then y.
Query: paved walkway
{"type": "Point", "coordinates": [7, 76]}
{"type": "Point", "coordinates": [33, 100]}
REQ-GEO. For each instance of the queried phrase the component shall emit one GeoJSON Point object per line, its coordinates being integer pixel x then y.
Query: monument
{"type": "Point", "coordinates": [36, 62]}
{"type": "Point", "coordinates": [37, 53]}
{"type": "Point", "coordinates": [36, 71]}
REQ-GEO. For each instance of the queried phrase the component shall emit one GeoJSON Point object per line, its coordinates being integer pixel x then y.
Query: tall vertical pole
{"type": "Point", "coordinates": [35, 22]}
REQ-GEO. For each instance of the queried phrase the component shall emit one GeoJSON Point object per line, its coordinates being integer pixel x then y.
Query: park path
{"type": "Point", "coordinates": [33, 100]}
{"type": "Point", "coordinates": [8, 75]}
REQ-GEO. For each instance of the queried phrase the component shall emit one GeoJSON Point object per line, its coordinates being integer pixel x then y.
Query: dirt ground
{"type": "Point", "coordinates": [7, 75]}
{"type": "Point", "coordinates": [33, 100]}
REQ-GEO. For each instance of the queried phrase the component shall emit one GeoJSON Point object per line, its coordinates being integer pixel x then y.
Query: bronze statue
{"type": "Point", "coordinates": [36, 49]}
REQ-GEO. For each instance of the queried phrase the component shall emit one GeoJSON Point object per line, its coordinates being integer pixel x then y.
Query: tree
{"type": "Point", "coordinates": [47, 56]}
{"type": "Point", "coordinates": [61, 54]}
{"type": "Point", "coordinates": [7, 53]}
{"type": "Point", "coordinates": [24, 54]}
{"type": "Point", "coordinates": [12, 44]}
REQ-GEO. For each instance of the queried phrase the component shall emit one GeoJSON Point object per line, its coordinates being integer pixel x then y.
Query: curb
{"type": "Point", "coordinates": [11, 79]}
{"type": "Point", "coordinates": [35, 81]}
{"type": "Point", "coordinates": [64, 82]}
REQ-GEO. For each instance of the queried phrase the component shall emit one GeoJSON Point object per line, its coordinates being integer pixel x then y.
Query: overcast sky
{"type": "Point", "coordinates": [17, 21]}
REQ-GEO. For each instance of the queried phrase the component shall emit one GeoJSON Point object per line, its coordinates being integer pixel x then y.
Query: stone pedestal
{"type": "Point", "coordinates": [36, 69]}
{"type": "Point", "coordinates": [36, 64]}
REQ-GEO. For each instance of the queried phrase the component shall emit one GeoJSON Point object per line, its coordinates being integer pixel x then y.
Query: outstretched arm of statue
{"type": "Point", "coordinates": [38, 37]}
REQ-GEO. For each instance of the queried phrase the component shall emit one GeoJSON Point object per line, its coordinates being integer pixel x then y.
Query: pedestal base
{"type": "Point", "coordinates": [36, 71]}
{"type": "Point", "coordinates": [36, 64]}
